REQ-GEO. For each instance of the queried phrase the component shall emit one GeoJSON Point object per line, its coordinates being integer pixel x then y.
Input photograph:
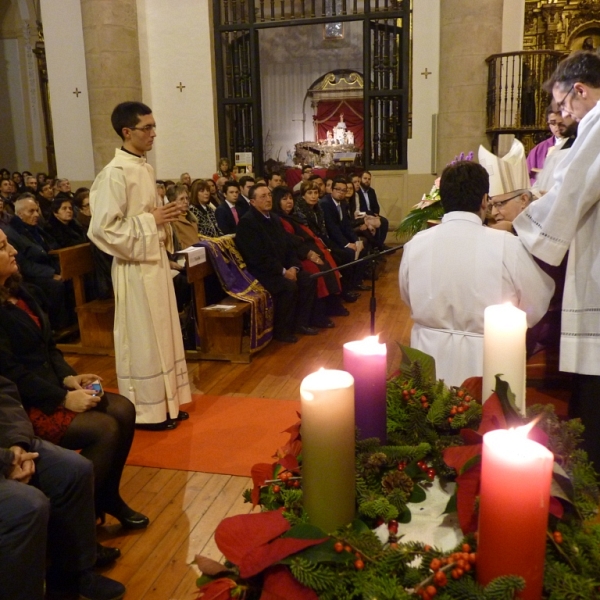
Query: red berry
{"type": "Point", "coordinates": [401, 466]}
{"type": "Point", "coordinates": [405, 393]}
{"type": "Point", "coordinates": [460, 393]}
{"type": "Point", "coordinates": [276, 489]}
{"type": "Point", "coordinates": [466, 548]}
{"type": "Point", "coordinates": [347, 548]}
{"type": "Point", "coordinates": [435, 564]}
{"type": "Point", "coordinates": [423, 398]}
{"type": "Point", "coordinates": [431, 473]}
{"type": "Point", "coordinates": [440, 579]}
{"type": "Point", "coordinates": [453, 410]}
{"type": "Point", "coordinates": [468, 398]}
{"type": "Point", "coordinates": [558, 537]}
{"type": "Point", "coordinates": [296, 483]}
{"type": "Point", "coordinates": [379, 521]}
{"type": "Point", "coordinates": [427, 548]}
{"type": "Point", "coordinates": [455, 574]}
{"type": "Point", "coordinates": [431, 590]}
{"type": "Point", "coordinates": [425, 404]}
{"type": "Point", "coordinates": [338, 547]}
{"type": "Point", "coordinates": [393, 526]}
{"type": "Point", "coordinates": [472, 558]}
{"type": "Point", "coordinates": [359, 565]}
{"type": "Point", "coordinates": [449, 419]}
{"type": "Point", "coordinates": [413, 392]}
{"type": "Point", "coordinates": [460, 410]}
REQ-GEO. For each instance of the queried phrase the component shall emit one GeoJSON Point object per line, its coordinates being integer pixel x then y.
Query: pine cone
{"type": "Point", "coordinates": [377, 459]}
{"type": "Point", "coordinates": [397, 480]}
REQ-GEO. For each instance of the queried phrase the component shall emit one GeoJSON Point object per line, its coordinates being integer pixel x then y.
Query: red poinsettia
{"type": "Point", "coordinates": [466, 459]}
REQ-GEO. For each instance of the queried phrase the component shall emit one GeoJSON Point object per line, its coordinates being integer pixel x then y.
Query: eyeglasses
{"type": "Point", "coordinates": [502, 202]}
{"type": "Point", "coordinates": [339, 190]}
{"type": "Point", "coordinates": [145, 129]}
{"type": "Point", "coordinates": [561, 105]}
{"type": "Point", "coordinates": [555, 123]}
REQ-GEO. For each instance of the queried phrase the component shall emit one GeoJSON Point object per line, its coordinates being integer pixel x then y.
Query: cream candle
{"type": "Point", "coordinates": [328, 455]}
{"type": "Point", "coordinates": [504, 330]}
{"type": "Point", "coordinates": [516, 475]}
{"type": "Point", "coordinates": [366, 361]}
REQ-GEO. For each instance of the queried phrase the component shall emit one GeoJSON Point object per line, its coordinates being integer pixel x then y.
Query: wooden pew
{"type": "Point", "coordinates": [95, 318]}
{"type": "Point", "coordinates": [221, 332]}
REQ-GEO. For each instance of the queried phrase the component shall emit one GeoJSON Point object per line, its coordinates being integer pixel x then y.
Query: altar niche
{"type": "Point", "coordinates": [385, 26]}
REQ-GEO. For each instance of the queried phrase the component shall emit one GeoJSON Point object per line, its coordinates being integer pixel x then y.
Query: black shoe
{"type": "Point", "coordinates": [164, 426]}
{"type": "Point", "coordinates": [105, 556]}
{"type": "Point", "coordinates": [339, 311]}
{"type": "Point", "coordinates": [305, 330]}
{"type": "Point", "coordinates": [93, 586]}
{"type": "Point", "coordinates": [130, 519]}
{"type": "Point", "coordinates": [362, 287]}
{"type": "Point", "coordinates": [182, 416]}
{"type": "Point", "coordinates": [324, 324]}
{"type": "Point", "coordinates": [350, 297]}
{"type": "Point", "coordinates": [286, 338]}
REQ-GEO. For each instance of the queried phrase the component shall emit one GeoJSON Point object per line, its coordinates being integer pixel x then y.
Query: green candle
{"type": "Point", "coordinates": [328, 472]}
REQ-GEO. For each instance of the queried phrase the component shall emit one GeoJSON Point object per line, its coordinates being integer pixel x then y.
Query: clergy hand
{"type": "Point", "coordinates": [22, 467]}
{"type": "Point", "coordinates": [166, 214]}
{"type": "Point", "coordinates": [81, 400]}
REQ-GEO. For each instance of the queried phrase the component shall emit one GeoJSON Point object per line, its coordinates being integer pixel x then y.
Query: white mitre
{"type": "Point", "coordinates": [508, 173]}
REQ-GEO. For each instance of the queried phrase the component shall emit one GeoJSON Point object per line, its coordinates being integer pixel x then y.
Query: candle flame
{"type": "Point", "coordinates": [524, 430]}
{"type": "Point", "coordinates": [372, 340]}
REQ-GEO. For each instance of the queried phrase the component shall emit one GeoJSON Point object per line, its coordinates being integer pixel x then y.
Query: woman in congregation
{"type": "Point", "coordinates": [186, 226]}
{"type": "Point", "coordinates": [61, 407]}
{"type": "Point", "coordinates": [61, 225]}
{"type": "Point", "coordinates": [214, 195]}
{"type": "Point", "coordinates": [308, 205]}
{"type": "Point", "coordinates": [224, 170]}
{"type": "Point", "coordinates": [315, 258]}
{"type": "Point", "coordinates": [203, 210]}
{"type": "Point", "coordinates": [82, 203]}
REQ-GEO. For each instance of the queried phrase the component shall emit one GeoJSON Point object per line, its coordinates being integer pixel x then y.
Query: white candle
{"type": "Point", "coordinates": [504, 330]}
{"type": "Point", "coordinates": [328, 454]}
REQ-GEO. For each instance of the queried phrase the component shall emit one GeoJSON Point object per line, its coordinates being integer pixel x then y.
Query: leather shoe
{"type": "Point", "coordinates": [350, 297]}
{"type": "Point", "coordinates": [164, 426]}
{"type": "Point", "coordinates": [130, 519]}
{"type": "Point", "coordinates": [286, 338]}
{"type": "Point", "coordinates": [339, 311]}
{"type": "Point", "coordinates": [305, 330]}
{"type": "Point", "coordinates": [324, 324]}
{"type": "Point", "coordinates": [182, 416]}
{"type": "Point", "coordinates": [362, 287]}
{"type": "Point", "coordinates": [105, 556]}
{"type": "Point", "coordinates": [93, 586]}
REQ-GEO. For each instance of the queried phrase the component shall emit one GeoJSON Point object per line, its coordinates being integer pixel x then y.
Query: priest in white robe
{"type": "Point", "coordinates": [449, 274]}
{"type": "Point", "coordinates": [130, 223]}
{"type": "Point", "coordinates": [567, 218]}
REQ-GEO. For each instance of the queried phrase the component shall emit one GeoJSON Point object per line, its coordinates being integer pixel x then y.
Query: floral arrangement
{"type": "Point", "coordinates": [433, 432]}
{"type": "Point", "coordinates": [429, 208]}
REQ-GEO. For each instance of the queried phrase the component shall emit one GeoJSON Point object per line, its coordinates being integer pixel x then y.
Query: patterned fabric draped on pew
{"type": "Point", "coordinates": [240, 284]}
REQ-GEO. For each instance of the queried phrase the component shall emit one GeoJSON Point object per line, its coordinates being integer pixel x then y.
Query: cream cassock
{"type": "Point", "coordinates": [448, 276]}
{"type": "Point", "coordinates": [568, 218]}
{"type": "Point", "coordinates": [150, 359]}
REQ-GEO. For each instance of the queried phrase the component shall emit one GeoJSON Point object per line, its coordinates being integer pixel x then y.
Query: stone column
{"type": "Point", "coordinates": [112, 55]}
{"type": "Point", "coordinates": [470, 32]}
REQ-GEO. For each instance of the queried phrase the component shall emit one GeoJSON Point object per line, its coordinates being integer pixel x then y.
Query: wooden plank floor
{"type": "Point", "coordinates": [185, 507]}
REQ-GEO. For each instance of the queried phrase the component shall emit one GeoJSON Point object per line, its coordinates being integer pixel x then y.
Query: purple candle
{"type": "Point", "coordinates": [366, 361]}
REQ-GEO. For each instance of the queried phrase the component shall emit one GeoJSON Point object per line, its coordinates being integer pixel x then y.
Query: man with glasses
{"type": "Point", "coordinates": [504, 208]}
{"type": "Point", "coordinates": [131, 223]}
{"type": "Point", "coordinates": [450, 273]}
{"type": "Point", "coordinates": [558, 127]}
{"type": "Point", "coordinates": [567, 219]}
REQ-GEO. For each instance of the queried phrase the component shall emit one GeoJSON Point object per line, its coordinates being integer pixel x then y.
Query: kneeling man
{"type": "Point", "coordinates": [449, 274]}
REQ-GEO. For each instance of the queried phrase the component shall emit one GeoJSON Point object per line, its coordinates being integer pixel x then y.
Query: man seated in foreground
{"type": "Point", "coordinates": [449, 274]}
{"type": "Point", "coordinates": [46, 505]}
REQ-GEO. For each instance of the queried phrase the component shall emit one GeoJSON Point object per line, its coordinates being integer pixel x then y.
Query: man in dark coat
{"type": "Point", "coordinates": [270, 257]}
{"type": "Point", "coordinates": [368, 204]}
{"type": "Point", "coordinates": [46, 504]}
{"type": "Point", "coordinates": [229, 212]}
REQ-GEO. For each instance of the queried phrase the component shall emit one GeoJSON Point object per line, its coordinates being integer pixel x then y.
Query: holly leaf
{"type": "Point", "coordinates": [304, 531]}
{"type": "Point", "coordinates": [411, 355]}
{"type": "Point", "coordinates": [451, 507]}
{"type": "Point", "coordinates": [324, 552]}
{"type": "Point", "coordinates": [474, 385]}
{"type": "Point", "coordinates": [417, 495]}
{"type": "Point", "coordinates": [507, 400]}
{"type": "Point", "coordinates": [279, 584]}
{"type": "Point", "coordinates": [413, 470]}
{"type": "Point", "coordinates": [561, 486]}
{"type": "Point", "coordinates": [405, 516]}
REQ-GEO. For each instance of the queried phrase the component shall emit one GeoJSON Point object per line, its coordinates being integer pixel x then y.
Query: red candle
{"type": "Point", "coordinates": [513, 511]}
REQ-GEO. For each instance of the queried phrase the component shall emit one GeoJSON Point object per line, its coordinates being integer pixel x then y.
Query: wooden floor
{"type": "Point", "coordinates": [185, 507]}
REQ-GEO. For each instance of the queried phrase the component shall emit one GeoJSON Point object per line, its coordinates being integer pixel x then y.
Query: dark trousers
{"type": "Point", "coordinates": [585, 405]}
{"type": "Point", "coordinates": [382, 231]}
{"type": "Point", "coordinates": [55, 510]}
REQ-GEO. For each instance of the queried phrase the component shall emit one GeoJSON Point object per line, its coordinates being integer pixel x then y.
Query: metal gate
{"type": "Point", "coordinates": [386, 40]}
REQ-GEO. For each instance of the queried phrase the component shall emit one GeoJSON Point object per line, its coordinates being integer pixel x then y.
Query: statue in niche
{"type": "Point", "coordinates": [339, 131]}
{"type": "Point", "coordinates": [588, 44]}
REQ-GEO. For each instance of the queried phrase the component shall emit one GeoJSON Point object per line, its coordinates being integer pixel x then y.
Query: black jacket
{"type": "Point", "coordinates": [225, 218]}
{"type": "Point", "coordinates": [29, 357]}
{"type": "Point", "coordinates": [66, 235]}
{"type": "Point", "coordinates": [266, 248]}
{"type": "Point", "coordinates": [373, 204]}
{"type": "Point", "coordinates": [339, 230]}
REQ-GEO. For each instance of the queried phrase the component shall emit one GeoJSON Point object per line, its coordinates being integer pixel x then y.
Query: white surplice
{"type": "Point", "coordinates": [568, 218]}
{"type": "Point", "coordinates": [150, 359]}
{"type": "Point", "coordinates": [450, 273]}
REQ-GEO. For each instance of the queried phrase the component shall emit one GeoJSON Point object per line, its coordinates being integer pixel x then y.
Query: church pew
{"type": "Point", "coordinates": [95, 318]}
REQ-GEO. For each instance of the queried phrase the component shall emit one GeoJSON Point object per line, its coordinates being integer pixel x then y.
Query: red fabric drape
{"type": "Point", "coordinates": [328, 116]}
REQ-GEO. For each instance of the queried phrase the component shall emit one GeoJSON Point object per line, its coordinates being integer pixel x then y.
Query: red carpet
{"type": "Point", "coordinates": [224, 434]}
